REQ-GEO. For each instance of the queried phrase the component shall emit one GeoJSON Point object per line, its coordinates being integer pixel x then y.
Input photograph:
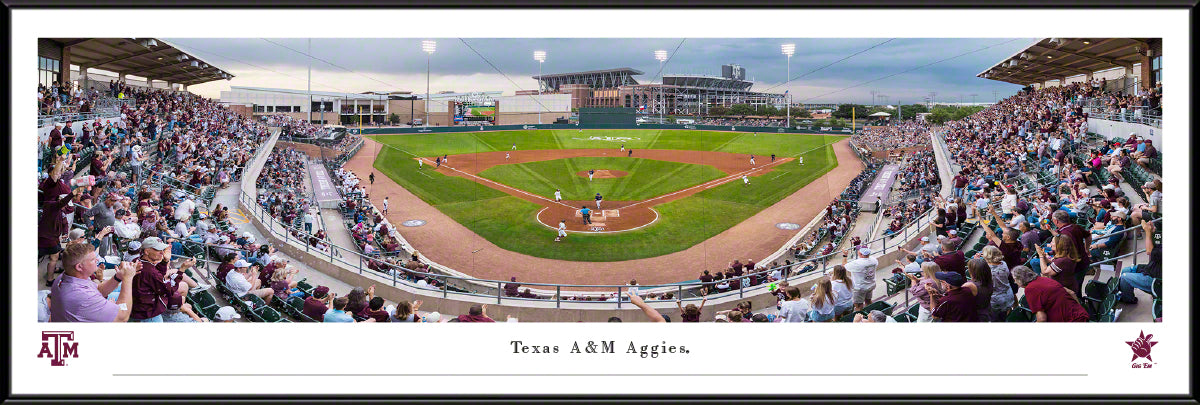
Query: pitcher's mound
{"type": "Point", "coordinates": [604, 174]}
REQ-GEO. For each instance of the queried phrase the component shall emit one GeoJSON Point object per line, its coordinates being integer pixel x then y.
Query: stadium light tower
{"type": "Point", "coordinates": [661, 55]}
{"type": "Point", "coordinates": [539, 56]}
{"type": "Point", "coordinates": [789, 50]}
{"type": "Point", "coordinates": [429, 47]}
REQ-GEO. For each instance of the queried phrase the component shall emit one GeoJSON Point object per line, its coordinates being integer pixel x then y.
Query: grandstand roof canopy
{"type": "Point", "coordinates": [151, 58]}
{"type": "Point", "coordinates": [1058, 58]}
{"type": "Point", "coordinates": [628, 71]}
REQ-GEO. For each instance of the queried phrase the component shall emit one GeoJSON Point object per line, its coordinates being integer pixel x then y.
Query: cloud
{"type": "Point", "coordinates": [506, 64]}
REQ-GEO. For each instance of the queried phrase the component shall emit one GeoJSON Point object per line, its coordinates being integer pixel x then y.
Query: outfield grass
{"type": "Point", "coordinates": [511, 223]}
{"type": "Point", "coordinates": [647, 178]}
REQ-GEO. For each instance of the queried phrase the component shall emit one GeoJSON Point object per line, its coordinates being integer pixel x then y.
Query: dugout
{"type": "Point", "coordinates": [607, 116]}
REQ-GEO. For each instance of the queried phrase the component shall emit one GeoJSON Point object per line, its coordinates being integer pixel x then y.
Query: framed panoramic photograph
{"type": "Point", "coordinates": [988, 184]}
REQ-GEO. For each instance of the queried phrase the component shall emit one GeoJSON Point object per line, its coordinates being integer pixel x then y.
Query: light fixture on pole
{"type": "Point", "coordinates": [789, 50]}
{"type": "Point", "coordinates": [661, 55]}
{"type": "Point", "coordinates": [539, 56]}
{"type": "Point", "coordinates": [429, 47]}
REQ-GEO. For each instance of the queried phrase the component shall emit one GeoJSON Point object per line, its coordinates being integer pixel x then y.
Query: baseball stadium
{"type": "Point", "coordinates": [610, 194]}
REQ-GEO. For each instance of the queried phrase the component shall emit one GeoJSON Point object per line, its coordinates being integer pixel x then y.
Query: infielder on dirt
{"type": "Point", "coordinates": [598, 199]}
{"type": "Point", "coordinates": [751, 160]}
{"type": "Point", "coordinates": [562, 230]}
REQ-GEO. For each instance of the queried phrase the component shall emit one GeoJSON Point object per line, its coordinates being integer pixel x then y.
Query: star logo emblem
{"type": "Point", "coordinates": [1141, 346]}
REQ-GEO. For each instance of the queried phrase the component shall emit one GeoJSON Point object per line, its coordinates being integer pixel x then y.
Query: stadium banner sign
{"type": "Point", "coordinates": [880, 187]}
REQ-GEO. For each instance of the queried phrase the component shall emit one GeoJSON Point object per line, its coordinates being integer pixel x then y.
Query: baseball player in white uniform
{"type": "Point", "coordinates": [562, 230]}
{"type": "Point", "coordinates": [506, 156]}
{"type": "Point", "coordinates": [751, 160]}
{"type": "Point", "coordinates": [385, 205]}
{"type": "Point", "coordinates": [420, 163]}
{"type": "Point", "coordinates": [801, 159]}
{"type": "Point", "coordinates": [598, 199]}
{"type": "Point", "coordinates": [557, 195]}
{"type": "Point", "coordinates": [591, 173]}
{"type": "Point", "coordinates": [745, 180]}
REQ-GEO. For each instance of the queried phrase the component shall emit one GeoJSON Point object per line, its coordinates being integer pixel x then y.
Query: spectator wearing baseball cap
{"type": "Point", "coordinates": [953, 238]}
{"type": "Point", "coordinates": [862, 274]}
{"type": "Point", "coordinates": [243, 281]}
{"type": "Point", "coordinates": [151, 287]}
{"type": "Point", "coordinates": [958, 305]}
{"type": "Point", "coordinates": [227, 314]}
{"type": "Point", "coordinates": [1049, 300]}
{"type": "Point", "coordinates": [317, 304]}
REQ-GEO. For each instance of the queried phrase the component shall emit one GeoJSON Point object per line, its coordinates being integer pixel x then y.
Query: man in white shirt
{"type": "Point", "coordinates": [243, 281]}
{"type": "Point", "coordinates": [183, 211]}
{"type": "Point", "coordinates": [862, 274]}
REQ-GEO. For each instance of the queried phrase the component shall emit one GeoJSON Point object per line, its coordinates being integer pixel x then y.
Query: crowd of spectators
{"type": "Point", "coordinates": [906, 134]}
{"type": "Point", "coordinates": [744, 122]}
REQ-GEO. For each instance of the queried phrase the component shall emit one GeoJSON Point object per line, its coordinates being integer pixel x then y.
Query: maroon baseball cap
{"type": "Point", "coordinates": [320, 291]}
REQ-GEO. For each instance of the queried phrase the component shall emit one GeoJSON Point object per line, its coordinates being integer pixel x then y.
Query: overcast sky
{"type": "Point", "coordinates": [399, 64]}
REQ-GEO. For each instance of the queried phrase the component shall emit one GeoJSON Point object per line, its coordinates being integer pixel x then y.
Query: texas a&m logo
{"type": "Point", "coordinates": [1141, 348]}
{"type": "Point", "coordinates": [58, 345]}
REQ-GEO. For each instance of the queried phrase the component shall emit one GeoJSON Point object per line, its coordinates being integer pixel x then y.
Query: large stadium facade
{"type": "Point", "coordinates": [677, 94]}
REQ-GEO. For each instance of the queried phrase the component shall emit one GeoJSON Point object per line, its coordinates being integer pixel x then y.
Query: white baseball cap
{"type": "Point", "coordinates": [924, 239]}
{"type": "Point", "coordinates": [953, 232]}
{"type": "Point", "coordinates": [241, 264]}
{"type": "Point", "coordinates": [227, 313]}
{"type": "Point", "coordinates": [432, 317]}
{"type": "Point", "coordinates": [864, 252]}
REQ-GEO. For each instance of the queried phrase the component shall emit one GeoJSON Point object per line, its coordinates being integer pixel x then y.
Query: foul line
{"type": "Point", "coordinates": [712, 183]}
{"type": "Point", "coordinates": [505, 186]}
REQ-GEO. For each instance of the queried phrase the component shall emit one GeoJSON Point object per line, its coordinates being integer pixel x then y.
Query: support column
{"type": "Point", "coordinates": [64, 66]}
{"type": "Point", "coordinates": [149, 82]}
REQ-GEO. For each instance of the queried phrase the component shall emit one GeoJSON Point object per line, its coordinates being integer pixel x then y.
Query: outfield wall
{"type": "Point", "coordinates": [485, 128]}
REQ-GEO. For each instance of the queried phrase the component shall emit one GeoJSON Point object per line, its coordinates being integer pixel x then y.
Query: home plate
{"type": "Point", "coordinates": [612, 213]}
{"type": "Point", "coordinates": [596, 225]}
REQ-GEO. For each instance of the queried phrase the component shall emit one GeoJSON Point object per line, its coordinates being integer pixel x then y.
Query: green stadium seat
{"type": "Point", "coordinates": [1157, 310]}
{"type": "Point", "coordinates": [268, 314]}
{"type": "Point", "coordinates": [1156, 288]}
{"type": "Point", "coordinates": [882, 306]}
{"type": "Point", "coordinates": [1020, 315]}
{"type": "Point", "coordinates": [904, 318]}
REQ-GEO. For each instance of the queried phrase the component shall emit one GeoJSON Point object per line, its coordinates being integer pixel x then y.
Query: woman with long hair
{"type": "Point", "coordinates": [981, 287]}
{"type": "Point", "coordinates": [359, 298]}
{"type": "Point", "coordinates": [794, 309]}
{"type": "Point", "coordinates": [1062, 267]}
{"type": "Point", "coordinates": [1003, 287]}
{"type": "Point", "coordinates": [821, 301]}
{"type": "Point", "coordinates": [926, 289]}
{"type": "Point", "coordinates": [939, 223]}
{"type": "Point", "coordinates": [843, 300]}
{"type": "Point", "coordinates": [406, 312]}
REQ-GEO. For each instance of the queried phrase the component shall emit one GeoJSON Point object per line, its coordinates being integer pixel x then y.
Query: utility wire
{"type": "Point", "coordinates": [828, 65]}
{"type": "Point", "coordinates": [909, 70]}
{"type": "Point", "coordinates": [263, 68]}
{"type": "Point", "coordinates": [331, 63]}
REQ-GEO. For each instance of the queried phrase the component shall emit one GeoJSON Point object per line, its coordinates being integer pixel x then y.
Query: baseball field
{"type": "Point", "coordinates": [663, 190]}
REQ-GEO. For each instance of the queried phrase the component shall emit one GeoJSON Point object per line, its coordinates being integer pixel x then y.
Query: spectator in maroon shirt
{"type": "Point", "coordinates": [316, 305]}
{"type": "Point", "coordinates": [512, 289]}
{"type": "Point", "coordinates": [705, 279]}
{"type": "Point", "coordinates": [1080, 237]}
{"type": "Point", "coordinates": [477, 313]}
{"type": "Point", "coordinates": [1063, 266]}
{"type": "Point", "coordinates": [375, 311]}
{"type": "Point", "coordinates": [953, 260]}
{"type": "Point", "coordinates": [958, 305]}
{"type": "Point", "coordinates": [359, 300]}
{"type": "Point", "coordinates": [151, 289]}
{"type": "Point", "coordinates": [1049, 300]}
{"type": "Point", "coordinates": [690, 313]}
